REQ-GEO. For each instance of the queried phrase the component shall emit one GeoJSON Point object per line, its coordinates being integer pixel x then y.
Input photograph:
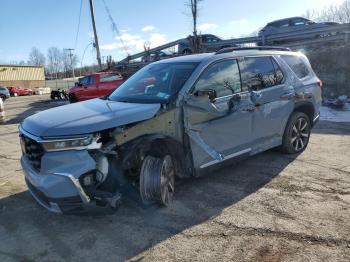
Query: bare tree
{"type": "Point", "coordinates": [332, 13]}
{"type": "Point", "coordinates": [68, 63]}
{"type": "Point", "coordinates": [193, 5]}
{"type": "Point", "coordinates": [54, 60]}
{"type": "Point", "coordinates": [36, 57]}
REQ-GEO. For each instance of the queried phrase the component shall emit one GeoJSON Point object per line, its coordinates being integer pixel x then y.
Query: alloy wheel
{"type": "Point", "coordinates": [300, 134]}
{"type": "Point", "coordinates": [167, 180]}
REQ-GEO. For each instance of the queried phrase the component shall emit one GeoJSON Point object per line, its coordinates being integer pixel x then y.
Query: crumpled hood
{"type": "Point", "coordinates": [87, 117]}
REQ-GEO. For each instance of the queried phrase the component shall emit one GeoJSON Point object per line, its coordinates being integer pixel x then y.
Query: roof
{"type": "Point", "coordinates": [21, 73]}
{"type": "Point", "coordinates": [187, 58]}
{"type": "Point", "coordinates": [212, 56]}
{"type": "Point", "coordinates": [286, 19]}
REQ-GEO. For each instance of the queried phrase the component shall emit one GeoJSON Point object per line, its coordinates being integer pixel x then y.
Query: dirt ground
{"type": "Point", "coordinates": [271, 207]}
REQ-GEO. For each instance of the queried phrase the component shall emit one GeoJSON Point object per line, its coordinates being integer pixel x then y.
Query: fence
{"type": "Point", "coordinates": [61, 83]}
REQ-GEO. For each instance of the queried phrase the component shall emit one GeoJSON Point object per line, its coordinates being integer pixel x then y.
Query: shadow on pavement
{"type": "Point", "coordinates": [30, 109]}
{"type": "Point", "coordinates": [29, 232]}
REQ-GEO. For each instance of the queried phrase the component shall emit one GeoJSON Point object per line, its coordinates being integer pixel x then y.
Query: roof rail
{"type": "Point", "coordinates": [260, 48]}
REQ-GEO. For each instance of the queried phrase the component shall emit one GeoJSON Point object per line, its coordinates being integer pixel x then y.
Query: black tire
{"type": "Point", "coordinates": [72, 98]}
{"type": "Point", "coordinates": [297, 134]}
{"type": "Point", "coordinates": [157, 180]}
{"type": "Point", "coordinates": [3, 97]}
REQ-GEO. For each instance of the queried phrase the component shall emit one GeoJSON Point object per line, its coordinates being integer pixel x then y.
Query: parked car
{"type": "Point", "coordinates": [293, 24]}
{"type": "Point", "coordinates": [209, 43]}
{"type": "Point", "coordinates": [20, 91]}
{"type": "Point", "coordinates": [42, 90]}
{"type": "Point", "coordinates": [95, 85]}
{"type": "Point", "coordinates": [175, 118]}
{"type": "Point", "coordinates": [4, 93]}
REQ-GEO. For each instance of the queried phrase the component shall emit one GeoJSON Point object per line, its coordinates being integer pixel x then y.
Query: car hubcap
{"type": "Point", "coordinates": [167, 180]}
{"type": "Point", "coordinates": [300, 134]}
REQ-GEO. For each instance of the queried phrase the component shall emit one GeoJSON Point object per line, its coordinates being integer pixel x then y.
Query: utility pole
{"type": "Point", "coordinates": [98, 54]}
{"type": "Point", "coordinates": [71, 59]}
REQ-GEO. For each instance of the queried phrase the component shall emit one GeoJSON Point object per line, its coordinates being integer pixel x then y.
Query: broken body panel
{"type": "Point", "coordinates": [195, 131]}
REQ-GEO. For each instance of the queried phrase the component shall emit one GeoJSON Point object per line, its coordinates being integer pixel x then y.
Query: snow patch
{"type": "Point", "coordinates": [335, 115]}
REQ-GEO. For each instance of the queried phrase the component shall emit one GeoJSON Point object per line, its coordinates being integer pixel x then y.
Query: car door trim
{"type": "Point", "coordinates": [226, 158]}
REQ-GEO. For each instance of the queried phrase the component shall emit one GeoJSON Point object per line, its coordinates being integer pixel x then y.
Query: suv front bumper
{"type": "Point", "coordinates": [56, 189]}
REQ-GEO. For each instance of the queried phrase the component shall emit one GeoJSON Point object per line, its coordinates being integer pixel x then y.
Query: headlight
{"type": "Point", "coordinates": [78, 143]}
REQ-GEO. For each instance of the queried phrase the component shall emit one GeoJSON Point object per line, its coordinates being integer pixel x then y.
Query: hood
{"type": "Point", "coordinates": [87, 117]}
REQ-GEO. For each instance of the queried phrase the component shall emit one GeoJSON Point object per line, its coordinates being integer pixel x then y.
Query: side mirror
{"type": "Point", "coordinates": [210, 93]}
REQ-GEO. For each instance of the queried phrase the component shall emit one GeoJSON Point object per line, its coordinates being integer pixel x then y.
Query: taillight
{"type": "Point", "coordinates": [320, 83]}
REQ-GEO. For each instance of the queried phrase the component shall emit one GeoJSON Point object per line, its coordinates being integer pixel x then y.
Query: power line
{"type": "Point", "coordinates": [78, 28]}
{"type": "Point", "coordinates": [71, 59]}
{"type": "Point", "coordinates": [115, 28]}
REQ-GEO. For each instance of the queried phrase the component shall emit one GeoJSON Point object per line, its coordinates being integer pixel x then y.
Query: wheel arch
{"type": "Point", "coordinates": [156, 145]}
{"type": "Point", "coordinates": [307, 108]}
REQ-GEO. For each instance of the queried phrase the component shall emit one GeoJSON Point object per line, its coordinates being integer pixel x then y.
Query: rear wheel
{"type": "Point", "coordinates": [157, 180]}
{"type": "Point", "coordinates": [3, 97]}
{"type": "Point", "coordinates": [297, 133]}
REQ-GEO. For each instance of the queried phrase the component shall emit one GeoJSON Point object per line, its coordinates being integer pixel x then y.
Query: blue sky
{"type": "Point", "coordinates": [46, 23]}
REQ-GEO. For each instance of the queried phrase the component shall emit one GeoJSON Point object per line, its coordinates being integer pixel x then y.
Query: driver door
{"type": "Point", "coordinates": [218, 115]}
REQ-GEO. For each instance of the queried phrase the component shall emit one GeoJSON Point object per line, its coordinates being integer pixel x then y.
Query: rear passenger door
{"type": "Point", "coordinates": [273, 99]}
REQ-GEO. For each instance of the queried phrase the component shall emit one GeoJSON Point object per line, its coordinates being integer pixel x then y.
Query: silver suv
{"type": "Point", "coordinates": [173, 119]}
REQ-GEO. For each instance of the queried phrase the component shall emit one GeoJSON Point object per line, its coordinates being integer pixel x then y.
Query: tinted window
{"type": "Point", "coordinates": [223, 77]}
{"type": "Point", "coordinates": [297, 64]}
{"type": "Point", "coordinates": [284, 23]}
{"type": "Point", "coordinates": [259, 73]}
{"type": "Point", "coordinates": [85, 80]}
{"type": "Point", "coordinates": [110, 78]}
{"type": "Point", "coordinates": [278, 73]}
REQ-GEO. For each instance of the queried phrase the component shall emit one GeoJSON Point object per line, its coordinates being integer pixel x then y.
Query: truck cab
{"type": "Point", "coordinates": [95, 85]}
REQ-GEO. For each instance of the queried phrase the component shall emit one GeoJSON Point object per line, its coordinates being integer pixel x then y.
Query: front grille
{"type": "Point", "coordinates": [33, 151]}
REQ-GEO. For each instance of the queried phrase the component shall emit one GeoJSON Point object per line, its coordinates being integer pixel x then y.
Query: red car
{"type": "Point", "coordinates": [20, 91]}
{"type": "Point", "coordinates": [95, 85]}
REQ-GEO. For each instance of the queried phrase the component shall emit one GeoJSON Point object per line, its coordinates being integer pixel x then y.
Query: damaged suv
{"type": "Point", "coordinates": [172, 119]}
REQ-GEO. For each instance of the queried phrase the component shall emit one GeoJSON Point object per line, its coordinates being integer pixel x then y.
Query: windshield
{"type": "Point", "coordinates": [155, 83]}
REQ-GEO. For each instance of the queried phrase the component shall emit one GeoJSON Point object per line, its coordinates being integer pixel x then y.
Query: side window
{"type": "Point", "coordinates": [110, 77]}
{"type": "Point", "coordinates": [259, 73]}
{"type": "Point", "coordinates": [278, 72]}
{"type": "Point", "coordinates": [92, 80]}
{"type": "Point", "coordinates": [85, 80]}
{"type": "Point", "coordinates": [297, 64]}
{"type": "Point", "coordinates": [297, 22]}
{"type": "Point", "coordinates": [223, 77]}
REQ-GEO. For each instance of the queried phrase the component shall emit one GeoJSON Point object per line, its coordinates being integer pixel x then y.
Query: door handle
{"type": "Point", "coordinates": [288, 95]}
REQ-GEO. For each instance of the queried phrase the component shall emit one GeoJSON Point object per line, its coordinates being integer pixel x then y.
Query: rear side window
{"type": "Point", "coordinates": [261, 72]}
{"type": "Point", "coordinates": [297, 64]}
{"type": "Point", "coordinates": [110, 77]}
{"type": "Point", "coordinates": [223, 77]}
